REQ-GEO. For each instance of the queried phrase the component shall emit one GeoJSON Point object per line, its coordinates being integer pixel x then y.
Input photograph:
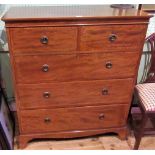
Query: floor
{"type": "Point", "coordinates": [104, 142]}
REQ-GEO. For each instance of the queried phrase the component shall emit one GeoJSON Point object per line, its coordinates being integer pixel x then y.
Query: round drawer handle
{"type": "Point", "coordinates": [105, 91]}
{"type": "Point", "coordinates": [46, 94]}
{"type": "Point", "coordinates": [112, 37]}
{"type": "Point", "coordinates": [108, 65]}
{"type": "Point", "coordinates": [45, 68]}
{"type": "Point", "coordinates": [44, 40]}
{"type": "Point", "coordinates": [101, 116]}
{"type": "Point", "coordinates": [47, 120]}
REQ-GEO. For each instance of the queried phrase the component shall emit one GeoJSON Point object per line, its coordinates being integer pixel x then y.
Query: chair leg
{"type": "Point", "coordinates": [140, 133]}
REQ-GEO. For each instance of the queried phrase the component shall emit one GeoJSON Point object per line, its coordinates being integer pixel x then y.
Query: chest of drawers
{"type": "Point", "coordinates": [74, 68]}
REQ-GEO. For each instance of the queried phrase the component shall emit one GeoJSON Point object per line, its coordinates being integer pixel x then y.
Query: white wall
{"type": "Point", "coordinates": [151, 29]}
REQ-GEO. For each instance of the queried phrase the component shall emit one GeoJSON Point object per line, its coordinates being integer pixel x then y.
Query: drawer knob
{"type": "Point", "coordinates": [108, 65]}
{"type": "Point", "coordinates": [105, 91]}
{"type": "Point", "coordinates": [47, 120]}
{"type": "Point", "coordinates": [44, 40]}
{"type": "Point", "coordinates": [112, 37]}
{"type": "Point", "coordinates": [101, 116]}
{"type": "Point", "coordinates": [46, 94]}
{"type": "Point", "coordinates": [45, 68]}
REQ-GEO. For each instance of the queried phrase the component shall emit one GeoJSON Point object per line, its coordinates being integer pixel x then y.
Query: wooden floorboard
{"type": "Point", "coordinates": [103, 142]}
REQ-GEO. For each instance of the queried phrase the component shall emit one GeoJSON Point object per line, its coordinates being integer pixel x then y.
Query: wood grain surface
{"type": "Point", "coordinates": [75, 93]}
{"type": "Point", "coordinates": [27, 40]}
{"type": "Point", "coordinates": [72, 12]}
{"type": "Point", "coordinates": [75, 67]}
{"type": "Point", "coordinates": [81, 118]}
{"type": "Point", "coordinates": [97, 38]}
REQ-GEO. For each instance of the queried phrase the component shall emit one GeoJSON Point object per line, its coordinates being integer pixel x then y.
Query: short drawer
{"type": "Point", "coordinates": [109, 38]}
{"type": "Point", "coordinates": [47, 68]}
{"type": "Point", "coordinates": [80, 118]}
{"type": "Point", "coordinates": [43, 39]}
{"type": "Point", "coordinates": [74, 93]}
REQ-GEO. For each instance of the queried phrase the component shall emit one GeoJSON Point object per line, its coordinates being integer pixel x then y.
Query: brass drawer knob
{"type": "Point", "coordinates": [45, 68]}
{"type": "Point", "coordinates": [112, 37]}
{"type": "Point", "coordinates": [44, 40]}
{"type": "Point", "coordinates": [108, 65]}
{"type": "Point", "coordinates": [47, 120]}
{"type": "Point", "coordinates": [46, 94]}
{"type": "Point", "coordinates": [101, 116]}
{"type": "Point", "coordinates": [105, 91]}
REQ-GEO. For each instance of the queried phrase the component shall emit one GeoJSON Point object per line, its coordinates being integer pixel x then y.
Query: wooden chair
{"type": "Point", "coordinates": [145, 93]}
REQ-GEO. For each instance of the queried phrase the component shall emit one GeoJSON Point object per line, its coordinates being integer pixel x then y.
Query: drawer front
{"type": "Point", "coordinates": [74, 93]}
{"type": "Point", "coordinates": [112, 38]}
{"type": "Point", "coordinates": [80, 118]}
{"type": "Point", "coordinates": [75, 67]}
{"type": "Point", "coordinates": [40, 39]}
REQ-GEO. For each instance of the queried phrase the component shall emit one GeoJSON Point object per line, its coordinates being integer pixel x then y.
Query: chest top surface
{"type": "Point", "coordinates": [70, 12]}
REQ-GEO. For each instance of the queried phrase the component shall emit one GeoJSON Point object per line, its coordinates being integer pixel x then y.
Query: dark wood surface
{"type": "Point", "coordinates": [63, 135]}
{"type": "Point", "coordinates": [94, 38]}
{"type": "Point", "coordinates": [64, 39]}
{"type": "Point", "coordinates": [80, 118]}
{"type": "Point", "coordinates": [70, 12]}
{"type": "Point", "coordinates": [73, 67]}
{"type": "Point", "coordinates": [75, 93]}
{"type": "Point", "coordinates": [59, 39]}
{"type": "Point", "coordinates": [77, 51]}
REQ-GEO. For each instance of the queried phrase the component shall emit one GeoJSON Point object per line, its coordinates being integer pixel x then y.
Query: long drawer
{"type": "Point", "coordinates": [43, 39]}
{"type": "Point", "coordinates": [74, 93]}
{"type": "Point", "coordinates": [112, 38]}
{"type": "Point", "coordinates": [80, 118]}
{"type": "Point", "coordinates": [47, 68]}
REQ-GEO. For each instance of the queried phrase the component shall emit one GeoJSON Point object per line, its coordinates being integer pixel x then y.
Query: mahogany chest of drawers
{"type": "Point", "coordinates": [74, 68]}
